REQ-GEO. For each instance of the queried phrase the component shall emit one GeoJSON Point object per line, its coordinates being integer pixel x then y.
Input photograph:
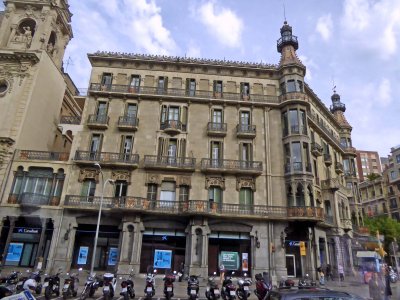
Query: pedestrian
{"type": "Point", "coordinates": [376, 290]}
{"type": "Point", "coordinates": [386, 280]}
{"type": "Point", "coordinates": [341, 272]}
{"type": "Point", "coordinates": [329, 272]}
{"type": "Point", "coordinates": [222, 273]}
{"type": "Point", "coordinates": [321, 276]}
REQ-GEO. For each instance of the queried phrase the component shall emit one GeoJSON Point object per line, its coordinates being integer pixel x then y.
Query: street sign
{"type": "Point", "coordinates": [302, 248]}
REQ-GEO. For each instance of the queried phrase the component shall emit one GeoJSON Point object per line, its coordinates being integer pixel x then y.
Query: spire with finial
{"type": "Point", "coordinates": [287, 38]}
{"type": "Point", "coordinates": [336, 104]}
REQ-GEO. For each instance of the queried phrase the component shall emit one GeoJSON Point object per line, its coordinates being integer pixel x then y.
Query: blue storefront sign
{"type": "Point", "coordinates": [82, 256]}
{"type": "Point", "coordinates": [162, 259]}
{"type": "Point", "coordinates": [112, 256]}
{"type": "Point", "coordinates": [14, 252]}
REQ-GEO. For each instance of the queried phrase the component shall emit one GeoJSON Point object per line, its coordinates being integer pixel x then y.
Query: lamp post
{"type": "Point", "coordinates": [99, 216]}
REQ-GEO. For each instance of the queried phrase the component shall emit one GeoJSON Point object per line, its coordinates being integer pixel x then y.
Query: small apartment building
{"type": "Point", "coordinates": [368, 162]}
{"type": "Point", "coordinates": [374, 198]}
{"type": "Point", "coordinates": [392, 176]}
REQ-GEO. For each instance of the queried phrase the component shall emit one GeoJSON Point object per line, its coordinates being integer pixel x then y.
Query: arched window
{"type": "Point", "coordinates": [300, 201]}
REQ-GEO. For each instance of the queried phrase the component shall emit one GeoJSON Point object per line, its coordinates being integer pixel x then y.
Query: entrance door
{"type": "Point", "coordinates": [291, 265]}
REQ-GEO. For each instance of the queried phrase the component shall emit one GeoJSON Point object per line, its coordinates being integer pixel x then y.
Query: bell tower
{"type": "Point", "coordinates": [37, 26]}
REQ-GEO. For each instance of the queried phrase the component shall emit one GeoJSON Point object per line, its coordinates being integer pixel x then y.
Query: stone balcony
{"type": "Point", "coordinates": [42, 155]}
{"type": "Point", "coordinates": [246, 131]}
{"type": "Point", "coordinates": [229, 166]}
{"type": "Point", "coordinates": [128, 123]}
{"type": "Point", "coordinates": [216, 129]}
{"type": "Point", "coordinates": [169, 163]}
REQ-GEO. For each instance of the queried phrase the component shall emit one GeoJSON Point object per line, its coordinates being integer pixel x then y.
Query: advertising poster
{"type": "Point", "coordinates": [112, 256]}
{"type": "Point", "coordinates": [230, 260]}
{"type": "Point", "coordinates": [82, 256]}
{"type": "Point", "coordinates": [14, 252]}
{"type": "Point", "coordinates": [162, 259]}
{"type": "Point", "coordinates": [245, 262]}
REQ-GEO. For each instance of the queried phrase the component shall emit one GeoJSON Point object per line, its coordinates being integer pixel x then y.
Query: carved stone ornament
{"type": "Point", "coordinates": [121, 175]}
{"type": "Point", "coordinates": [245, 182]}
{"type": "Point", "coordinates": [88, 174]}
{"type": "Point", "coordinates": [153, 179]}
{"type": "Point", "coordinates": [30, 10]}
{"type": "Point", "coordinates": [215, 181]}
{"type": "Point", "coordinates": [184, 180]}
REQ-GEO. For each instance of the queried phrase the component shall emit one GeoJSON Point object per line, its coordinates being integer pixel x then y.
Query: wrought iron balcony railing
{"type": "Point", "coordinates": [114, 88]}
{"type": "Point", "coordinates": [42, 155]}
{"type": "Point", "coordinates": [107, 157]}
{"type": "Point", "coordinates": [173, 125]}
{"type": "Point", "coordinates": [128, 121]}
{"type": "Point", "coordinates": [216, 127]}
{"type": "Point", "coordinates": [74, 120]}
{"type": "Point", "coordinates": [194, 207]}
{"type": "Point", "coordinates": [96, 120]}
{"type": "Point", "coordinates": [169, 161]}
{"type": "Point", "coordinates": [246, 129]}
{"type": "Point", "coordinates": [229, 164]}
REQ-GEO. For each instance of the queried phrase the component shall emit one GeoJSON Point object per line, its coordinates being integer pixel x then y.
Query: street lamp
{"type": "Point", "coordinates": [99, 216]}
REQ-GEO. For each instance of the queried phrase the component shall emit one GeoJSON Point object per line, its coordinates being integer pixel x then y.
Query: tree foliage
{"type": "Point", "coordinates": [373, 176]}
{"type": "Point", "coordinates": [388, 227]}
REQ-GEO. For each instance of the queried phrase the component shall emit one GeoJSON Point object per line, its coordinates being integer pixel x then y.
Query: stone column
{"type": "Point", "coordinates": [137, 247]}
{"type": "Point", "coordinates": [10, 232]}
{"type": "Point", "coordinates": [54, 243]}
{"type": "Point", "coordinates": [65, 244]}
{"type": "Point", "coordinates": [199, 249]}
{"type": "Point", "coordinates": [40, 251]}
{"type": "Point", "coordinates": [125, 252]}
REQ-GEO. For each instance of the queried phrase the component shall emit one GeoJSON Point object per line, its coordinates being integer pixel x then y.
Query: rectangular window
{"type": "Point", "coordinates": [245, 198]}
{"type": "Point", "coordinates": [162, 85]}
{"type": "Point", "coordinates": [303, 125]}
{"type": "Point", "coordinates": [131, 110]}
{"type": "Point", "coordinates": [121, 188]}
{"type": "Point", "coordinates": [343, 142]}
{"type": "Point", "coordinates": [245, 90]}
{"type": "Point", "coordinates": [167, 194]}
{"type": "Point", "coordinates": [95, 144]}
{"type": "Point", "coordinates": [217, 116]}
{"type": "Point", "coordinates": [106, 81]}
{"type": "Point", "coordinates": [101, 109]}
{"type": "Point", "coordinates": [282, 88]}
{"type": "Point", "coordinates": [296, 157]}
{"type": "Point", "coordinates": [299, 86]}
{"type": "Point", "coordinates": [173, 113]}
{"type": "Point", "coordinates": [126, 146]}
{"type": "Point", "coordinates": [152, 192]}
{"type": "Point", "coordinates": [291, 86]}
{"type": "Point", "coordinates": [88, 188]}
{"type": "Point", "coordinates": [191, 87]}
{"type": "Point", "coordinates": [217, 88]}
{"type": "Point", "coordinates": [245, 118]}
{"type": "Point", "coordinates": [215, 194]}
{"type": "Point", "coordinates": [398, 158]}
{"type": "Point", "coordinates": [294, 121]}
{"type": "Point", "coordinates": [285, 125]}
{"type": "Point", "coordinates": [183, 193]}
{"type": "Point", "coordinates": [134, 84]}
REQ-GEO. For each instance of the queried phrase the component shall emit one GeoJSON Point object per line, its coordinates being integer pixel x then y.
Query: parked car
{"type": "Point", "coordinates": [312, 293]}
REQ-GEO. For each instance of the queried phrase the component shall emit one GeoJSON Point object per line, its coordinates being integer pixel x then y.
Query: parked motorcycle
{"type": "Point", "coordinates": [5, 292]}
{"type": "Point", "coordinates": [228, 290]}
{"type": "Point", "coordinates": [169, 279]}
{"type": "Point", "coordinates": [149, 289]}
{"type": "Point", "coordinates": [109, 285]}
{"type": "Point", "coordinates": [243, 290]}
{"type": "Point", "coordinates": [127, 289]}
{"type": "Point", "coordinates": [10, 281]}
{"type": "Point", "coordinates": [212, 290]}
{"type": "Point", "coordinates": [91, 285]}
{"type": "Point", "coordinates": [306, 282]}
{"type": "Point", "coordinates": [263, 286]}
{"type": "Point", "coordinates": [193, 287]}
{"type": "Point", "coordinates": [51, 285]}
{"type": "Point", "coordinates": [32, 283]}
{"type": "Point", "coordinates": [70, 287]}
{"type": "Point", "coordinates": [393, 275]}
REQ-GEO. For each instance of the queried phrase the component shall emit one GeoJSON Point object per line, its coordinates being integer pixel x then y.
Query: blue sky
{"type": "Point", "coordinates": [353, 43]}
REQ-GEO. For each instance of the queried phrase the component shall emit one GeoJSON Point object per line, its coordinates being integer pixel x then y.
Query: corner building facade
{"type": "Point", "coordinates": [213, 161]}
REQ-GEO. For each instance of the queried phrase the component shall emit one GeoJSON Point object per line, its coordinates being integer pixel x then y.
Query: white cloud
{"type": "Point", "coordinates": [324, 27]}
{"type": "Point", "coordinates": [193, 50]}
{"type": "Point", "coordinates": [384, 92]}
{"type": "Point", "coordinates": [310, 66]}
{"type": "Point", "coordinates": [222, 23]}
{"type": "Point", "coordinates": [372, 25]}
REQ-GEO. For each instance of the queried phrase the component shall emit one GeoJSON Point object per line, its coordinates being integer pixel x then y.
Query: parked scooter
{"type": "Point", "coordinates": [169, 279]}
{"type": "Point", "coordinates": [91, 285]}
{"type": "Point", "coordinates": [243, 290]}
{"type": "Point", "coordinates": [212, 290]}
{"type": "Point", "coordinates": [127, 290]}
{"type": "Point", "coordinates": [10, 281]}
{"type": "Point", "coordinates": [70, 287]}
{"type": "Point", "coordinates": [109, 285]}
{"type": "Point", "coordinates": [149, 289]}
{"type": "Point", "coordinates": [263, 286]}
{"type": "Point", "coordinates": [51, 285]}
{"type": "Point", "coordinates": [228, 290]}
{"type": "Point", "coordinates": [193, 287]}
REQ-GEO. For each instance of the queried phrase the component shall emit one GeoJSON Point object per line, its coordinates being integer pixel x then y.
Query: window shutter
{"type": "Point", "coordinates": [163, 113]}
{"type": "Point", "coordinates": [165, 83]}
{"type": "Point", "coordinates": [215, 86]}
{"type": "Point", "coordinates": [183, 114]}
{"type": "Point", "coordinates": [187, 86]}
{"type": "Point", "coordinates": [160, 146]}
{"type": "Point", "coordinates": [182, 148]}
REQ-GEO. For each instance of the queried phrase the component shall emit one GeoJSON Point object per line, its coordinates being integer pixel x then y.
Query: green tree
{"type": "Point", "coordinates": [373, 176]}
{"type": "Point", "coordinates": [388, 227]}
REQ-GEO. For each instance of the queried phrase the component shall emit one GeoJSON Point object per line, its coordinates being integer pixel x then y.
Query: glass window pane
{"type": "Point", "coordinates": [291, 86]}
{"type": "Point", "coordinates": [296, 152]}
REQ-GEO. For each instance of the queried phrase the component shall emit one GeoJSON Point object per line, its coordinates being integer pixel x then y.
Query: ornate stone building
{"type": "Point", "coordinates": [212, 161]}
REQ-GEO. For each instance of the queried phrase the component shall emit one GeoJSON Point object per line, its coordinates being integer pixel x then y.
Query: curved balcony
{"type": "Point", "coordinates": [216, 129]}
{"type": "Point", "coordinates": [169, 163]}
{"type": "Point", "coordinates": [33, 199]}
{"type": "Point", "coordinates": [293, 96]}
{"type": "Point", "coordinates": [107, 159]}
{"type": "Point", "coordinates": [245, 131]}
{"type": "Point", "coordinates": [330, 184]}
{"type": "Point", "coordinates": [128, 123]}
{"type": "Point", "coordinates": [173, 127]}
{"type": "Point", "coordinates": [98, 121]}
{"type": "Point", "coordinates": [229, 166]}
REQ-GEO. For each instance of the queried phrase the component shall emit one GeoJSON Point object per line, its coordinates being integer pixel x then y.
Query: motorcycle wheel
{"type": "Point", "coordinates": [106, 297]}
{"type": "Point", "coordinates": [74, 293]}
{"type": "Point", "coordinates": [65, 295]}
{"type": "Point", "coordinates": [47, 293]}
{"type": "Point", "coordinates": [91, 292]}
{"type": "Point", "coordinates": [84, 294]}
{"type": "Point", "coordinates": [132, 294]}
{"type": "Point", "coordinates": [38, 290]}
{"type": "Point", "coordinates": [126, 297]}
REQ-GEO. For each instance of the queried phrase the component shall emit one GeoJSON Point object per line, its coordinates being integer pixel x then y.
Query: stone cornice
{"type": "Point", "coordinates": [7, 140]}
{"type": "Point", "coordinates": [19, 56]}
{"type": "Point", "coordinates": [182, 60]}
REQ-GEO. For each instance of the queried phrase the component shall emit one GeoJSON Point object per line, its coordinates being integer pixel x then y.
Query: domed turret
{"type": "Point", "coordinates": [287, 38]}
{"type": "Point", "coordinates": [336, 104]}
